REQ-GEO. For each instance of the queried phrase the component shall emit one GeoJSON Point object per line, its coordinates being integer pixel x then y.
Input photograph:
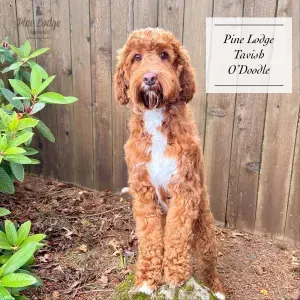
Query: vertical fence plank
{"type": "Point", "coordinates": [247, 142]}
{"type": "Point", "coordinates": [62, 68]}
{"type": "Point", "coordinates": [44, 38]}
{"type": "Point", "coordinates": [121, 25]}
{"type": "Point", "coordinates": [219, 126]}
{"type": "Point", "coordinates": [83, 116]}
{"type": "Point", "coordinates": [292, 225]}
{"type": "Point", "coordinates": [279, 138]}
{"type": "Point", "coordinates": [25, 11]}
{"type": "Point", "coordinates": [8, 21]}
{"type": "Point", "coordinates": [101, 92]}
{"type": "Point", "coordinates": [171, 16]}
{"type": "Point", "coordinates": [145, 13]}
{"type": "Point", "coordinates": [195, 13]}
{"type": "Point", "coordinates": [8, 28]}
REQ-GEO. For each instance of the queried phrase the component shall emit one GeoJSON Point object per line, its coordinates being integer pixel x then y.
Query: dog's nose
{"type": "Point", "coordinates": [150, 78]}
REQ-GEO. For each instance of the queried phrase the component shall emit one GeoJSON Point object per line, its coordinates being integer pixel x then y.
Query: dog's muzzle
{"type": "Point", "coordinates": [151, 95]}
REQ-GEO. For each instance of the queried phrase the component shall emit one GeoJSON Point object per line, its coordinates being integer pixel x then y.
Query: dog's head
{"type": "Point", "coordinates": [153, 70]}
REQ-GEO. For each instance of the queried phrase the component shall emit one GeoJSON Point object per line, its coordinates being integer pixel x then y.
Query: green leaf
{"type": "Point", "coordinates": [51, 98]}
{"type": "Point", "coordinates": [18, 259]}
{"type": "Point", "coordinates": [4, 212]}
{"type": "Point", "coordinates": [45, 84]}
{"type": "Point", "coordinates": [11, 98]}
{"type": "Point", "coordinates": [13, 66]}
{"type": "Point", "coordinates": [20, 139]}
{"type": "Point", "coordinates": [2, 234]}
{"type": "Point", "coordinates": [30, 151]}
{"type": "Point", "coordinates": [6, 119]}
{"type": "Point", "coordinates": [18, 159]}
{"type": "Point", "coordinates": [17, 280]}
{"type": "Point", "coordinates": [21, 98]}
{"type": "Point", "coordinates": [33, 238]}
{"type": "Point", "coordinates": [27, 122]}
{"type": "Point", "coordinates": [4, 294]}
{"type": "Point", "coordinates": [17, 297]}
{"type": "Point", "coordinates": [20, 87]}
{"type": "Point", "coordinates": [70, 99]}
{"type": "Point", "coordinates": [14, 150]}
{"type": "Point", "coordinates": [45, 131]}
{"type": "Point", "coordinates": [39, 281]}
{"type": "Point", "coordinates": [8, 56]}
{"type": "Point", "coordinates": [37, 107]}
{"type": "Point", "coordinates": [42, 70]}
{"type": "Point", "coordinates": [16, 50]}
{"type": "Point", "coordinates": [23, 232]}
{"type": "Point", "coordinates": [5, 245]}
{"type": "Point", "coordinates": [3, 143]}
{"type": "Point", "coordinates": [25, 74]}
{"type": "Point", "coordinates": [18, 170]}
{"type": "Point", "coordinates": [6, 183]}
{"type": "Point", "coordinates": [4, 259]}
{"type": "Point", "coordinates": [27, 49]}
{"type": "Point", "coordinates": [11, 232]}
{"type": "Point", "coordinates": [14, 122]}
{"type": "Point", "coordinates": [38, 52]}
{"type": "Point", "coordinates": [34, 161]}
{"type": "Point", "coordinates": [35, 79]}
{"type": "Point", "coordinates": [17, 74]}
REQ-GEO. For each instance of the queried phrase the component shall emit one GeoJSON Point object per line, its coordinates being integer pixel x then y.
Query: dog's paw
{"type": "Point", "coordinates": [144, 288]}
{"type": "Point", "coordinates": [125, 190]}
{"type": "Point", "coordinates": [220, 296]}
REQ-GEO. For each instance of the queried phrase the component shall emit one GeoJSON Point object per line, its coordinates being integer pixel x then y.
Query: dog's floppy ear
{"type": "Point", "coordinates": [120, 83]}
{"type": "Point", "coordinates": [186, 77]}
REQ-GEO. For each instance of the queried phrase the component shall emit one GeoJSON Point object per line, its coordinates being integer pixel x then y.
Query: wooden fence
{"type": "Point", "coordinates": [251, 151]}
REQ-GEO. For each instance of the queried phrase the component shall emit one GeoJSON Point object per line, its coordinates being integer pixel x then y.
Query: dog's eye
{"type": "Point", "coordinates": [164, 55]}
{"type": "Point", "coordinates": [137, 57]}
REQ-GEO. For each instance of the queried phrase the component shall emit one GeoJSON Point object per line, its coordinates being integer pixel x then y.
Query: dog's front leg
{"type": "Point", "coordinates": [149, 231]}
{"type": "Point", "coordinates": [177, 241]}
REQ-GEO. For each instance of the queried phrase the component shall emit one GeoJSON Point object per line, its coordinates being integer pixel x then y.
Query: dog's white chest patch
{"type": "Point", "coordinates": [160, 168]}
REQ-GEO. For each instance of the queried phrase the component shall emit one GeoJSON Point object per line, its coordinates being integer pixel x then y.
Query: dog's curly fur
{"type": "Point", "coordinates": [173, 218]}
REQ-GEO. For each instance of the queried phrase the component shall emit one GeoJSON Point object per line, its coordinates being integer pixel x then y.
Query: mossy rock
{"type": "Point", "coordinates": [191, 290]}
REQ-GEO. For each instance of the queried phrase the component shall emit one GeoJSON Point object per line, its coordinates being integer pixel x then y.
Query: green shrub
{"type": "Point", "coordinates": [17, 248]}
{"type": "Point", "coordinates": [24, 97]}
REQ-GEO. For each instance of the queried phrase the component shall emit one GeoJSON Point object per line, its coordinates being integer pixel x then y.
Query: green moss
{"type": "Point", "coordinates": [123, 291]}
{"type": "Point", "coordinates": [189, 288]}
{"type": "Point", "coordinates": [160, 297]}
{"type": "Point", "coordinates": [176, 296]}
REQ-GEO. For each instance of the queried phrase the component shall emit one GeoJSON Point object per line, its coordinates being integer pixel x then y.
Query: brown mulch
{"type": "Point", "coordinates": [91, 246]}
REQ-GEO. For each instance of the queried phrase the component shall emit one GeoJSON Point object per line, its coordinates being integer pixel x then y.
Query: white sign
{"type": "Point", "coordinates": [249, 55]}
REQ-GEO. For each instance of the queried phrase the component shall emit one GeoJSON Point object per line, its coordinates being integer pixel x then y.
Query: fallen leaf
{"type": "Point", "coordinates": [103, 279]}
{"type": "Point", "coordinates": [45, 258]}
{"type": "Point", "coordinates": [115, 244]}
{"type": "Point", "coordinates": [258, 270]}
{"type": "Point", "coordinates": [69, 233]}
{"type": "Point", "coordinates": [55, 295]}
{"type": "Point", "coordinates": [83, 248]}
{"type": "Point", "coordinates": [264, 292]}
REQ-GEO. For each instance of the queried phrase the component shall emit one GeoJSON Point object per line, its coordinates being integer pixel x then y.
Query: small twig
{"type": "Point", "coordinates": [94, 291]}
{"type": "Point", "coordinates": [108, 211]}
{"type": "Point", "coordinates": [96, 214]}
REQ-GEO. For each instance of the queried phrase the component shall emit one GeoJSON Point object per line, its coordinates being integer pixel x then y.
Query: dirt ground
{"type": "Point", "coordinates": [92, 246]}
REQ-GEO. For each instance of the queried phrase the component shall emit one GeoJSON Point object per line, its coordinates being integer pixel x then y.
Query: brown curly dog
{"type": "Point", "coordinates": [166, 180]}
